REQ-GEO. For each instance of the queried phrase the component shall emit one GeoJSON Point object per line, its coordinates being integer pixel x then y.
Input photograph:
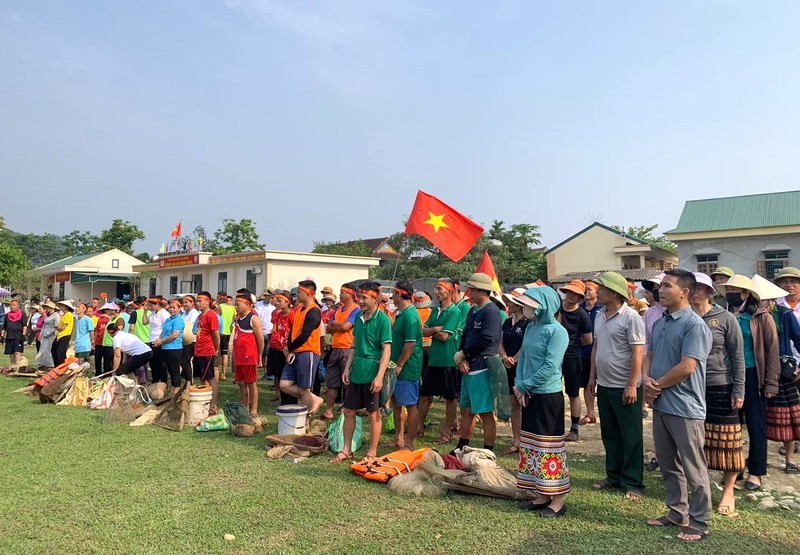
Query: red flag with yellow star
{"type": "Point", "coordinates": [449, 230]}
{"type": "Point", "coordinates": [486, 267]}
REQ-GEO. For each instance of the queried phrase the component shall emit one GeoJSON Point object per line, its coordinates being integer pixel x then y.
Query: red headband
{"type": "Point", "coordinates": [244, 298]}
{"type": "Point", "coordinates": [307, 291]}
{"type": "Point", "coordinates": [284, 297]}
{"type": "Point", "coordinates": [351, 292]}
{"type": "Point", "coordinates": [403, 291]}
{"type": "Point", "coordinates": [369, 293]}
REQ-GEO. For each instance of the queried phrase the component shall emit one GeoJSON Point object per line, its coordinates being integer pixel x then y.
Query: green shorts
{"type": "Point", "coordinates": [476, 393]}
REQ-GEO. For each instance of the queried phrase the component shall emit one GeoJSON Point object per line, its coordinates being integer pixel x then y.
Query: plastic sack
{"type": "Point", "coordinates": [236, 413]}
{"type": "Point", "coordinates": [336, 434]}
{"type": "Point", "coordinates": [498, 380]}
{"type": "Point", "coordinates": [215, 423]}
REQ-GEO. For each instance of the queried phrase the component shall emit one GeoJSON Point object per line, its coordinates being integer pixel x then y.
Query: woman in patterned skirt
{"type": "Point", "coordinates": [724, 391]}
{"type": "Point", "coordinates": [537, 387]}
{"type": "Point", "coordinates": [783, 410]}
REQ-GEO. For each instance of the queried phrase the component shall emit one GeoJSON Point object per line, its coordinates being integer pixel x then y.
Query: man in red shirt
{"type": "Point", "coordinates": [207, 346]}
{"type": "Point", "coordinates": [248, 343]}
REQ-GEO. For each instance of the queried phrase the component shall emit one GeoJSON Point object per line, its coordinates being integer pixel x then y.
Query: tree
{"type": "Point", "coordinates": [38, 249]}
{"type": "Point", "coordinates": [511, 248]}
{"type": "Point", "coordinates": [81, 242]}
{"type": "Point", "coordinates": [645, 233]}
{"type": "Point", "coordinates": [351, 248]}
{"type": "Point", "coordinates": [235, 236]}
{"type": "Point", "coordinates": [121, 235]}
{"type": "Point", "coordinates": [14, 266]}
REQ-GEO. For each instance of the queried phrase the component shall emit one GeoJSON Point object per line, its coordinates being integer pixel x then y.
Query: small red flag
{"type": "Point", "coordinates": [449, 230]}
{"type": "Point", "coordinates": [486, 267]}
{"type": "Point", "coordinates": [176, 231]}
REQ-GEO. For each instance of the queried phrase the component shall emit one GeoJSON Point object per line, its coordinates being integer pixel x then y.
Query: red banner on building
{"type": "Point", "coordinates": [181, 260]}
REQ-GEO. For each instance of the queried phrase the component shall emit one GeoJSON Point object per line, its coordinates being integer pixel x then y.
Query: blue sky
{"type": "Point", "coordinates": [320, 120]}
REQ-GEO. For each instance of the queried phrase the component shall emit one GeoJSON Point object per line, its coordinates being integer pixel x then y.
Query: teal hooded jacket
{"type": "Point", "coordinates": [543, 347]}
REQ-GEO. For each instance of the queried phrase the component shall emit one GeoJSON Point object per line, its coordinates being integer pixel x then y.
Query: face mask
{"type": "Point", "coordinates": [529, 312]}
{"type": "Point", "coordinates": [734, 299]}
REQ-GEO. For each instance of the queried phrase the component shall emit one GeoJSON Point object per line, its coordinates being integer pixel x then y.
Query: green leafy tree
{"type": "Point", "coordinates": [121, 235]}
{"type": "Point", "coordinates": [352, 248]}
{"type": "Point", "coordinates": [235, 236]}
{"type": "Point", "coordinates": [38, 249]}
{"type": "Point", "coordinates": [512, 249]}
{"type": "Point", "coordinates": [81, 242]}
{"type": "Point", "coordinates": [646, 233]}
{"type": "Point", "coordinates": [14, 266]}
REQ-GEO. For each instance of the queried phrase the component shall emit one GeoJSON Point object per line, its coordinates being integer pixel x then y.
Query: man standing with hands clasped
{"type": "Point", "coordinates": [674, 379]}
{"type": "Point", "coordinates": [366, 365]}
{"type": "Point", "coordinates": [616, 376]}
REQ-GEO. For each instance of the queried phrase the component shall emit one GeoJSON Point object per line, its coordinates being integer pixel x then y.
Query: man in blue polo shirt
{"type": "Point", "coordinates": [674, 378]}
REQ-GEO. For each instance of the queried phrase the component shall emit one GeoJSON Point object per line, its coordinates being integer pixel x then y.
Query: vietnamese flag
{"type": "Point", "coordinates": [486, 267]}
{"type": "Point", "coordinates": [176, 231]}
{"type": "Point", "coordinates": [449, 230]}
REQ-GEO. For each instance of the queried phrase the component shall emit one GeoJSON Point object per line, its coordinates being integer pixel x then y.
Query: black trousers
{"type": "Point", "coordinates": [158, 367]}
{"type": "Point", "coordinates": [755, 416]}
{"type": "Point", "coordinates": [103, 359]}
{"type": "Point", "coordinates": [132, 363]}
{"type": "Point", "coordinates": [172, 362]}
{"type": "Point", "coordinates": [187, 354]}
{"type": "Point", "coordinates": [59, 350]}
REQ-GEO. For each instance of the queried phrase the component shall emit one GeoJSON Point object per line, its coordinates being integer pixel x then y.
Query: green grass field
{"type": "Point", "coordinates": [71, 484]}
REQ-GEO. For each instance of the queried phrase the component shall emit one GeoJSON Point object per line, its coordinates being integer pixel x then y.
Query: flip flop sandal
{"type": "Point", "coordinates": [510, 450]}
{"type": "Point", "coordinates": [792, 468]}
{"type": "Point", "coordinates": [782, 449]}
{"type": "Point", "coordinates": [341, 457]}
{"type": "Point", "coordinates": [692, 531]}
{"type": "Point", "coordinates": [727, 511]}
{"type": "Point", "coordinates": [633, 495]}
{"type": "Point", "coordinates": [587, 420]}
{"type": "Point", "coordinates": [571, 436]}
{"type": "Point", "coordinates": [443, 438]}
{"type": "Point", "coordinates": [664, 522]}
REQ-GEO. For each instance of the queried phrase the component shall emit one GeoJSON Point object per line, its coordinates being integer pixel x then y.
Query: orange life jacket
{"type": "Point", "coordinates": [313, 342]}
{"type": "Point", "coordinates": [383, 469]}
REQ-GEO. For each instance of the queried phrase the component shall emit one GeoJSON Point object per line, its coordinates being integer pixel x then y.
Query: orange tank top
{"type": "Point", "coordinates": [313, 342]}
{"type": "Point", "coordinates": [343, 339]}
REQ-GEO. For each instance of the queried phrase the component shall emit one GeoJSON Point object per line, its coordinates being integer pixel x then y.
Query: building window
{"type": "Point", "coordinates": [61, 290]}
{"type": "Point", "coordinates": [173, 285]}
{"type": "Point", "coordinates": [250, 280]}
{"type": "Point", "coordinates": [772, 263]}
{"type": "Point", "coordinates": [152, 287]}
{"type": "Point", "coordinates": [115, 262]}
{"type": "Point", "coordinates": [222, 282]}
{"type": "Point", "coordinates": [707, 263]}
{"type": "Point", "coordinates": [197, 283]}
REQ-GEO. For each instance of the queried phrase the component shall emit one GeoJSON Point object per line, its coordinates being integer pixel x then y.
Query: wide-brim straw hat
{"type": "Point", "coordinates": [67, 303]}
{"type": "Point", "coordinates": [741, 282]}
{"type": "Point", "coordinates": [510, 297]}
{"type": "Point", "coordinates": [480, 281]}
{"type": "Point", "coordinates": [575, 286]}
{"type": "Point", "coordinates": [49, 304]}
{"type": "Point", "coordinates": [767, 290]}
{"type": "Point", "coordinates": [524, 300]}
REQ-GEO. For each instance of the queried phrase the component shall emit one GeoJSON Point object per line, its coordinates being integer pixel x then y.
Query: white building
{"type": "Point", "coordinates": [85, 276]}
{"type": "Point", "coordinates": [201, 271]}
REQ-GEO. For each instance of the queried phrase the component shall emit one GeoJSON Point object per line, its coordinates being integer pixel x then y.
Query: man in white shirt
{"type": "Point", "coordinates": [265, 308]}
{"type": "Point", "coordinates": [136, 352]}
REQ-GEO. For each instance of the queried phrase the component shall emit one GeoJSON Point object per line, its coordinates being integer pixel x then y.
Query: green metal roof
{"type": "Point", "coordinates": [67, 261]}
{"type": "Point", "coordinates": [745, 212]}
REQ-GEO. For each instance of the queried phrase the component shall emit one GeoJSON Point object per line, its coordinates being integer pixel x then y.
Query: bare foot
{"type": "Point", "coordinates": [315, 405]}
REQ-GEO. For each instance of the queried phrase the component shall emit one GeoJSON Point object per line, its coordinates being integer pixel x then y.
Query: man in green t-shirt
{"type": "Point", "coordinates": [365, 367]}
{"type": "Point", "coordinates": [407, 356]}
{"type": "Point", "coordinates": [440, 377]}
{"type": "Point", "coordinates": [227, 311]}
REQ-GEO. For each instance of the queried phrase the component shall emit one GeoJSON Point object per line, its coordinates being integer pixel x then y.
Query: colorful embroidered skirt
{"type": "Point", "coordinates": [723, 445]}
{"type": "Point", "coordinates": [542, 450]}
{"type": "Point", "coordinates": [783, 414]}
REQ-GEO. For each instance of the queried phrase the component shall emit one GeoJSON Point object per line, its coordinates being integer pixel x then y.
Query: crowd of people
{"type": "Point", "coordinates": [705, 353]}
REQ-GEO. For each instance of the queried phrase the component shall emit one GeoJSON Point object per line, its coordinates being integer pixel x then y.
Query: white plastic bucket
{"type": "Point", "coordinates": [292, 419]}
{"type": "Point", "coordinates": [199, 403]}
